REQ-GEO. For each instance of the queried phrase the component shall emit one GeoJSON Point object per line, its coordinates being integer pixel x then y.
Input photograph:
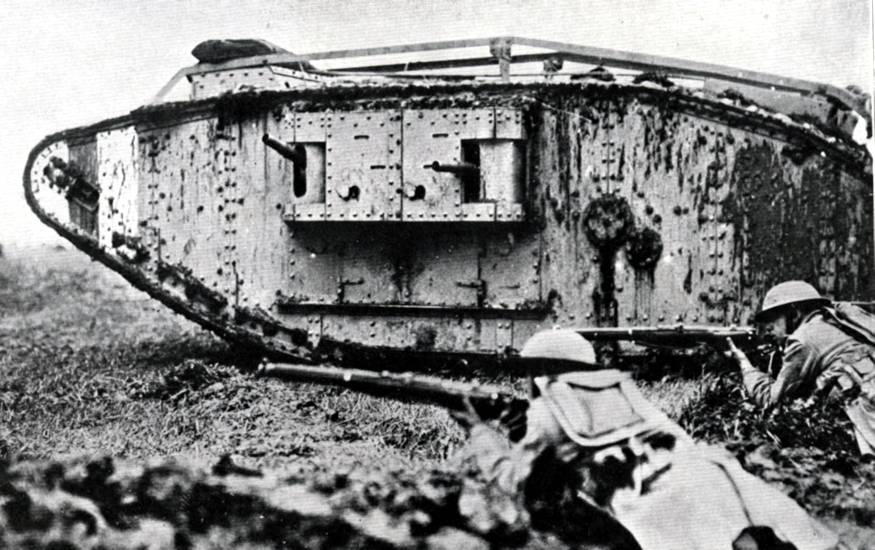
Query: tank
{"type": "Point", "coordinates": [457, 204]}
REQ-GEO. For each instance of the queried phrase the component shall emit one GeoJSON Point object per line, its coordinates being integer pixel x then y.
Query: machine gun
{"type": "Point", "coordinates": [488, 401]}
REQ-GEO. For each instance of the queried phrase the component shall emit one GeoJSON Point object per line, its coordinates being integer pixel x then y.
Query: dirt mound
{"type": "Point", "coordinates": [113, 504]}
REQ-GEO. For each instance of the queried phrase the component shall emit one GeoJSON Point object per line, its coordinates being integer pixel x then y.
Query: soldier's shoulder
{"type": "Point", "coordinates": [817, 331]}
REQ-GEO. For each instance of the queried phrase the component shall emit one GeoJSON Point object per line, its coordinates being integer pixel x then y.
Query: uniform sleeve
{"type": "Point", "coordinates": [506, 465]}
{"type": "Point", "coordinates": [798, 372]}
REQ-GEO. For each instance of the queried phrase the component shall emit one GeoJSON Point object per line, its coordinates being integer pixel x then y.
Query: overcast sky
{"type": "Point", "coordinates": [67, 63]}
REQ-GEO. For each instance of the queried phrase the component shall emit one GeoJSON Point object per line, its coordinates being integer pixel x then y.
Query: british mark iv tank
{"type": "Point", "coordinates": [457, 204]}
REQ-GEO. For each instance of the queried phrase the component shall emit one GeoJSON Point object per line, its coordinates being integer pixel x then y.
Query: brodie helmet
{"type": "Point", "coordinates": [561, 345]}
{"type": "Point", "coordinates": [787, 293]}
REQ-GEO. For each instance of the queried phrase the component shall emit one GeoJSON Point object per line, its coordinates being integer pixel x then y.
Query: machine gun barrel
{"type": "Point", "coordinates": [289, 153]}
{"type": "Point", "coordinates": [458, 168]}
{"type": "Point", "coordinates": [674, 335]}
{"type": "Point", "coordinates": [488, 401]}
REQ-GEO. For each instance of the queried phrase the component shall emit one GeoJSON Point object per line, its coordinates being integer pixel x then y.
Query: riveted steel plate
{"type": "Point", "coordinates": [502, 170]}
{"type": "Point", "coordinates": [370, 258]}
{"type": "Point", "coordinates": [496, 335]}
{"type": "Point", "coordinates": [509, 124]}
{"type": "Point", "coordinates": [435, 135]}
{"type": "Point", "coordinates": [280, 124]}
{"type": "Point", "coordinates": [509, 212]}
{"type": "Point", "coordinates": [306, 130]}
{"type": "Point", "coordinates": [478, 211]}
{"type": "Point", "coordinates": [675, 187]}
{"type": "Point", "coordinates": [314, 330]}
{"type": "Point", "coordinates": [255, 246]}
{"type": "Point", "coordinates": [118, 181]}
{"type": "Point", "coordinates": [363, 166]}
{"type": "Point", "coordinates": [444, 268]}
{"type": "Point", "coordinates": [391, 331]}
{"type": "Point", "coordinates": [314, 265]}
{"type": "Point", "coordinates": [310, 127]}
{"type": "Point", "coordinates": [503, 335]}
{"type": "Point", "coordinates": [306, 212]}
{"type": "Point", "coordinates": [510, 267]}
{"type": "Point", "coordinates": [402, 332]}
{"type": "Point", "coordinates": [263, 78]}
{"type": "Point", "coordinates": [307, 197]}
{"type": "Point", "coordinates": [183, 176]}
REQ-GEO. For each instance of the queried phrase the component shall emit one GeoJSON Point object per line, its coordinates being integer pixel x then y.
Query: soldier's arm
{"type": "Point", "coordinates": [799, 369]}
{"type": "Point", "coordinates": [509, 465]}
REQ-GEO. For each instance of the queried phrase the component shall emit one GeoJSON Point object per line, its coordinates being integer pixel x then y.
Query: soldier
{"type": "Point", "coordinates": [827, 350]}
{"type": "Point", "coordinates": [623, 457]}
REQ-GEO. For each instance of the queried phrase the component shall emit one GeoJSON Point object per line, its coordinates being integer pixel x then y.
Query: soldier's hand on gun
{"type": "Point", "coordinates": [735, 353]}
{"type": "Point", "coordinates": [468, 416]}
{"type": "Point", "coordinates": [513, 420]}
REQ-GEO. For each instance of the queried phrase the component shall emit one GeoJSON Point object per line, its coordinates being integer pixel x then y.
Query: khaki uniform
{"type": "Point", "coordinates": [681, 495]}
{"type": "Point", "coordinates": [820, 357]}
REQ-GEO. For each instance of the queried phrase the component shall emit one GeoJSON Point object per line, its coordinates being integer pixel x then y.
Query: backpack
{"type": "Point", "coordinates": [854, 320]}
{"type": "Point", "coordinates": [596, 409]}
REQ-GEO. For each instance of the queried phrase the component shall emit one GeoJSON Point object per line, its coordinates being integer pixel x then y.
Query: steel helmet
{"type": "Point", "coordinates": [786, 293]}
{"type": "Point", "coordinates": [559, 344]}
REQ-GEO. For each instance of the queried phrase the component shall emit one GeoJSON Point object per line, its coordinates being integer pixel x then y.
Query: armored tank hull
{"type": "Point", "coordinates": [298, 211]}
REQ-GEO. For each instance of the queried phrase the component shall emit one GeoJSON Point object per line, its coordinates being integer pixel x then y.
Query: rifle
{"type": "Point", "coordinates": [675, 336]}
{"type": "Point", "coordinates": [866, 306]}
{"type": "Point", "coordinates": [488, 401]}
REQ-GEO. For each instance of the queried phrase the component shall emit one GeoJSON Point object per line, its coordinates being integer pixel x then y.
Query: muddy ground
{"type": "Point", "coordinates": [90, 368]}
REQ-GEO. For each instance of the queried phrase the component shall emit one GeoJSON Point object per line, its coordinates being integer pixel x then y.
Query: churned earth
{"type": "Point", "coordinates": [123, 426]}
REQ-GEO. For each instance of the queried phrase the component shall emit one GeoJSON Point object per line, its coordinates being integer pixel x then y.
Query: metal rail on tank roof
{"type": "Point", "coordinates": [500, 54]}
